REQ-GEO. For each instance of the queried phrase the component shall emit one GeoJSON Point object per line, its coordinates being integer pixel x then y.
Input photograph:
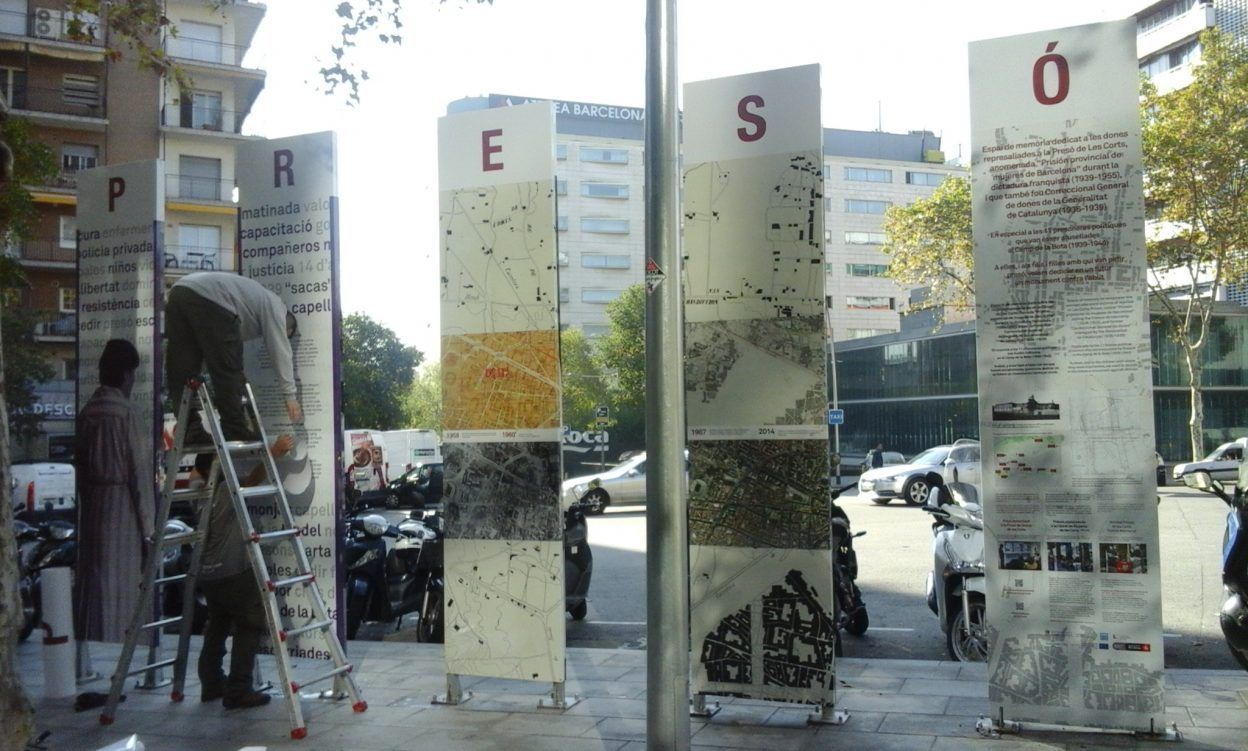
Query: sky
{"type": "Point", "coordinates": [899, 65]}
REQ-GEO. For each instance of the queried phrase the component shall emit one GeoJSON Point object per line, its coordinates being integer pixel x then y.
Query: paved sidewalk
{"type": "Point", "coordinates": [893, 704]}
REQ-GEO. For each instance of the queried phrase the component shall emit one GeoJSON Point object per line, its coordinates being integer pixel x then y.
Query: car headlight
{"type": "Point", "coordinates": [579, 489]}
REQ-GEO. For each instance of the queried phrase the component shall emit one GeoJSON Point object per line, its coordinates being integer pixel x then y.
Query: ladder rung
{"type": "Point", "coordinates": [259, 537]}
{"type": "Point", "coordinates": [178, 538]}
{"type": "Point", "coordinates": [294, 687]}
{"type": "Point", "coordinates": [292, 633]}
{"type": "Point", "coordinates": [153, 666]}
{"type": "Point", "coordinates": [304, 579]}
{"type": "Point", "coordinates": [199, 448]}
{"type": "Point", "coordinates": [244, 447]}
{"type": "Point", "coordinates": [171, 579]}
{"type": "Point", "coordinates": [162, 622]}
{"type": "Point", "coordinates": [189, 493]}
{"type": "Point", "coordinates": [256, 491]}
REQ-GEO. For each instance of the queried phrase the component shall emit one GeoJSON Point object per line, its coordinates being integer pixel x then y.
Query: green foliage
{"type": "Point", "coordinates": [33, 164]}
{"type": "Point", "coordinates": [585, 383]}
{"type": "Point", "coordinates": [423, 405]}
{"type": "Point", "coordinates": [377, 373]}
{"type": "Point", "coordinates": [623, 350]}
{"type": "Point", "coordinates": [1196, 168]}
{"type": "Point", "coordinates": [930, 246]}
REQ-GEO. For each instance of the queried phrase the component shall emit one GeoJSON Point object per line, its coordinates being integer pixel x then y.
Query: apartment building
{"type": "Point", "coordinates": [601, 210]}
{"type": "Point", "coordinates": [91, 109]}
{"type": "Point", "coordinates": [1168, 36]}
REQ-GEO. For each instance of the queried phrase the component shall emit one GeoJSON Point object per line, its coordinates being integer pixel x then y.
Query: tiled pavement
{"type": "Point", "coordinates": [893, 704]}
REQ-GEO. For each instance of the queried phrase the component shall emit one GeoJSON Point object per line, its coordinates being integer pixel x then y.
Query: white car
{"type": "Point", "coordinates": [962, 464]}
{"type": "Point", "coordinates": [623, 484]}
{"type": "Point", "coordinates": [905, 481]}
{"type": "Point", "coordinates": [1222, 464]}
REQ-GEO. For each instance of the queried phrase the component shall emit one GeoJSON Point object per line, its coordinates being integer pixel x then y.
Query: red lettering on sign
{"type": "Point", "coordinates": [488, 148]}
{"type": "Point", "coordinates": [1063, 76]}
{"type": "Point", "coordinates": [760, 125]}
{"type": "Point", "coordinates": [116, 189]}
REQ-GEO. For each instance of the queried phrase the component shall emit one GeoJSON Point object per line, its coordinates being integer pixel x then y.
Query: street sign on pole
{"type": "Point", "coordinates": [836, 417]}
{"type": "Point", "coordinates": [602, 415]}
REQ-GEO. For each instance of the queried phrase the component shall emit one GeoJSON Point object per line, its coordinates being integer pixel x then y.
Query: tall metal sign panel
{"type": "Point", "coordinates": [500, 394]}
{"type": "Point", "coordinates": [756, 396]}
{"type": "Point", "coordinates": [121, 217]}
{"type": "Point", "coordinates": [288, 241]}
{"type": "Point", "coordinates": [1066, 413]}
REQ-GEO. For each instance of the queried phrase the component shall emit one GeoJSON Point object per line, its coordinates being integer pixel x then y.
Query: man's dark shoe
{"type": "Point", "coordinates": [247, 700]}
{"type": "Point", "coordinates": [196, 436]}
{"type": "Point", "coordinates": [207, 695]}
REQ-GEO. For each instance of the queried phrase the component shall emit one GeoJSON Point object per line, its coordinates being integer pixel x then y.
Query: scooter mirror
{"type": "Point", "coordinates": [1242, 484]}
{"type": "Point", "coordinates": [1202, 480]}
{"type": "Point", "coordinates": [935, 498]}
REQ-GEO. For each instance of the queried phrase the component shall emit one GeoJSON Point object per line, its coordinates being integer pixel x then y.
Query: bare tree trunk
{"type": "Point", "coordinates": [1196, 422]}
{"type": "Point", "coordinates": [15, 708]}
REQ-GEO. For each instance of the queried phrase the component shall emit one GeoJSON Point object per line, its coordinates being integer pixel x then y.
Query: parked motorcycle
{"type": "Point", "coordinates": [851, 612]}
{"type": "Point", "coordinates": [388, 567]}
{"type": "Point", "coordinates": [1234, 615]}
{"type": "Point", "coordinates": [50, 544]}
{"type": "Point", "coordinates": [578, 568]}
{"type": "Point", "coordinates": [955, 586]}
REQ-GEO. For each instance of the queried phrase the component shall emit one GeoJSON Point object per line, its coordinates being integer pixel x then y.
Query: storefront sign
{"type": "Point", "coordinates": [1066, 414]}
{"type": "Point", "coordinates": [501, 396]}
{"type": "Point", "coordinates": [760, 570]}
{"type": "Point", "coordinates": [288, 240]}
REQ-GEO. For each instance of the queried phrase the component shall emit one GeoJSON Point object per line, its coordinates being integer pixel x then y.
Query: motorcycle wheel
{"type": "Point", "coordinates": [858, 622]}
{"type": "Point", "coordinates": [431, 629]}
{"type": "Point", "coordinates": [579, 610]}
{"type": "Point", "coordinates": [30, 613]}
{"type": "Point", "coordinates": [968, 645]}
{"type": "Point", "coordinates": [356, 605]}
{"type": "Point", "coordinates": [915, 492]}
{"type": "Point", "coordinates": [597, 501]}
{"type": "Point", "coordinates": [392, 500]}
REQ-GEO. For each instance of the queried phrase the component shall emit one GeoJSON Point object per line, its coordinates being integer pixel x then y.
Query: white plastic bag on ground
{"type": "Point", "coordinates": [126, 744]}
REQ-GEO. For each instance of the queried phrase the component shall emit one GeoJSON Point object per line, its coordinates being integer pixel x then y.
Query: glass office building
{"type": "Point", "coordinates": [917, 388]}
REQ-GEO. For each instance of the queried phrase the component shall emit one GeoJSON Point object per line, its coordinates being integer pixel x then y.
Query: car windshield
{"type": "Point", "coordinates": [931, 457]}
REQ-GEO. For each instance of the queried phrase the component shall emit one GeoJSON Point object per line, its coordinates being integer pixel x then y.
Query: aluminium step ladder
{"type": "Point", "coordinates": [226, 455]}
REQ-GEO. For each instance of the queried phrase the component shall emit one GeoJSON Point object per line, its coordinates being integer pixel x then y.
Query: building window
{"type": "Point", "coordinates": [80, 91]}
{"type": "Point", "coordinates": [202, 110]}
{"type": "Point", "coordinates": [561, 223]}
{"type": "Point", "coordinates": [604, 156]}
{"type": "Point", "coordinates": [198, 41]}
{"type": "Point", "coordinates": [561, 151]}
{"type": "Point", "coordinates": [78, 156]}
{"type": "Point", "coordinates": [864, 238]}
{"type": "Point", "coordinates": [603, 261]}
{"type": "Point", "coordinates": [199, 177]}
{"type": "Point", "coordinates": [827, 235]}
{"type": "Point", "coordinates": [1163, 15]}
{"type": "Point", "coordinates": [69, 232]}
{"type": "Point", "coordinates": [900, 353]}
{"type": "Point", "coordinates": [13, 87]}
{"type": "Point", "coordinates": [864, 333]}
{"type": "Point", "coordinates": [860, 206]}
{"type": "Point", "coordinates": [600, 296]}
{"type": "Point", "coordinates": [564, 295]}
{"type": "Point", "coordinates": [604, 226]}
{"type": "Point", "coordinates": [563, 259]}
{"type": "Point", "coordinates": [67, 299]}
{"type": "Point", "coordinates": [868, 175]}
{"type": "Point", "coordinates": [866, 269]}
{"type": "Point", "coordinates": [198, 246]}
{"type": "Point", "coordinates": [931, 179]}
{"type": "Point", "coordinates": [1170, 59]}
{"type": "Point", "coordinates": [604, 190]}
{"type": "Point", "coordinates": [869, 302]}
{"type": "Point", "coordinates": [561, 187]}
{"type": "Point", "coordinates": [827, 203]}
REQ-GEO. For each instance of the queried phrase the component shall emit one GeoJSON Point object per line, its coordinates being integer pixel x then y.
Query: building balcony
{"type": "Point", "coordinates": [207, 52]}
{"type": "Point", "coordinates": [55, 29]}
{"type": "Point", "coordinates": [61, 327]}
{"type": "Point", "coordinates": [44, 253]}
{"type": "Point", "coordinates": [202, 120]}
{"type": "Point", "coordinates": [193, 188]}
{"type": "Point", "coordinates": [1177, 29]}
{"type": "Point", "coordinates": [188, 258]}
{"type": "Point", "coordinates": [61, 107]}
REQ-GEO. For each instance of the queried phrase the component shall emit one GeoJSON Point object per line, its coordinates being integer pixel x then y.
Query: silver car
{"type": "Point", "coordinates": [623, 484]}
{"type": "Point", "coordinates": [905, 481]}
{"type": "Point", "coordinates": [1222, 464]}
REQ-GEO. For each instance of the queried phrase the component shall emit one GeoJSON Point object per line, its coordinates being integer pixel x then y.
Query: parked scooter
{"type": "Point", "coordinates": [385, 580]}
{"type": "Point", "coordinates": [956, 586]}
{"type": "Point", "coordinates": [851, 612]}
{"type": "Point", "coordinates": [1234, 615]}
{"type": "Point", "coordinates": [52, 543]}
{"type": "Point", "coordinates": [578, 568]}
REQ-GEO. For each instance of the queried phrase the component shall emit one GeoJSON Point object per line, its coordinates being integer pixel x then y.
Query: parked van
{"type": "Point", "coordinates": [406, 449]}
{"type": "Point", "coordinates": [43, 489]}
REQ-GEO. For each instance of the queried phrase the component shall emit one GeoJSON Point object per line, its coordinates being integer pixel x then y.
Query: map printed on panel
{"type": "Point", "coordinates": [773, 207]}
{"type": "Point", "coordinates": [504, 608]}
{"type": "Point", "coordinates": [499, 259]}
{"type": "Point", "coordinates": [766, 494]}
{"type": "Point", "coordinates": [501, 380]}
{"type": "Point", "coordinates": [503, 491]}
{"type": "Point", "coordinates": [725, 361]}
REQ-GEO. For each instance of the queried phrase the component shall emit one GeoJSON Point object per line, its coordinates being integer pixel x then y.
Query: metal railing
{"type": "Point", "coordinates": [44, 250]}
{"type": "Point", "coordinates": [61, 101]}
{"type": "Point", "coordinates": [194, 257]}
{"type": "Point", "coordinates": [202, 118]}
{"type": "Point", "coordinates": [206, 51]}
{"type": "Point", "coordinates": [62, 324]}
{"type": "Point", "coordinates": [50, 23]}
{"type": "Point", "coordinates": [199, 188]}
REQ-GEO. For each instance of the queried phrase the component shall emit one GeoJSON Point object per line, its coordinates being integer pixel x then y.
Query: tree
{"type": "Point", "coordinates": [622, 354]}
{"type": "Point", "coordinates": [1196, 190]}
{"type": "Point", "coordinates": [585, 384]}
{"type": "Point", "coordinates": [930, 246]}
{"type": "Point", "coordinates": [423, 406]}
{"type": "Point", "coordinates": [377, 372]}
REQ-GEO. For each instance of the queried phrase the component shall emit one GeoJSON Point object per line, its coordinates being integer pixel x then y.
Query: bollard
{"type": "Point", "coordinates": [59, 678]}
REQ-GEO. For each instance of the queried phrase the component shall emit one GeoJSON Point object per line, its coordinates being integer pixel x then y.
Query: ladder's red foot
{"type": "Point", "coordinates": [106, 719]}
{"type": "Point", "coordinates": [360, 706]}
{"type": "Point", "coordinates": [177, 696]}
{"type": "Point", "coordinates": [299, 733]}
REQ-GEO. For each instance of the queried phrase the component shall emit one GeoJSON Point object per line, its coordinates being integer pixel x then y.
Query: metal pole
{"type": "Point", "coordinates": [836, 404]}
{"type": "Point", "coordinates": [667, 548]}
